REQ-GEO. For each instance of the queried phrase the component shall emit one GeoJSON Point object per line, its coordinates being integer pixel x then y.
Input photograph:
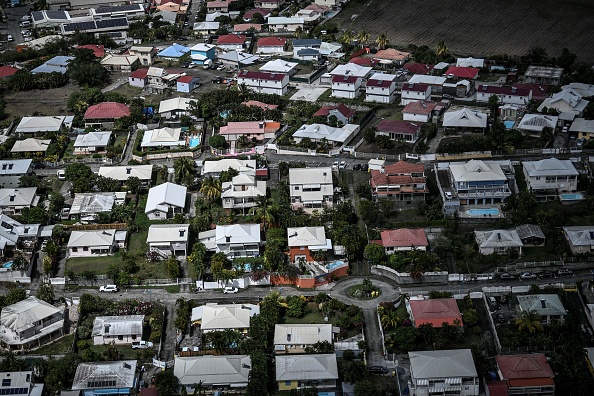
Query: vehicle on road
{"type": "Point", "coordinates": [357, 167]}
{"type": "Point", "coordinates": [580, 142]}
{"type": "Point", "coordinates": [378, 370]}
{"type": "Point", "coordinates": [564, 272]}
{"type": "Point", "coordinates": [230, 290]}
{"type": "Point", "coordinates": [527, 275]}
{"type": "Point", "coordinates": [38, 165]}
{"type": "Point", "coordinates": [142, 344]}
{"type": "Point", "coordinates": [335, 165]}
{"type": "Point", "coordinates": [547, 274]}
{"type": "Point", "coordinates": [61, 174]}
{"type": "Point", "coordinates": [500, 317]}
{"type": "Point", "coordinates": [9, 37]}
{"type": "Point", "coordinates": [43, 245]}
{"type": "Point", "coordinates": [342, 164]}
{"type": "Point", "coordinates": [108, 289]}
{"type": "Point", "coordinates": [506, 275]}
{"type": "Point", "coordinates": [364, 167]}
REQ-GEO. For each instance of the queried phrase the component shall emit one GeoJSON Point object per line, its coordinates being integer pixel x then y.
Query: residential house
{"type": "Point", "coordinates": [249, 14]}
{"type": "Point", "coordinates": [213, 372]}
{"type": "Point", "coordinates": [531, 235]}
{"type": "Point", "coordinates": [158, 79]}
{"type": "Point", "coordinates": [230, 42]}
{"type": "Point", "coordinates": [586, 90]}
{"type": "Point", "coordinates": [506, 95]}
{"type": "Point", "coordinates": [171, 12]}
{"type": "Point", "coordinates": [206, 27]}
{"type": "Point", "coordinates": [242, 192]}
{"type": "Point", "coordinates": [14, 200]}
{"type": "Point", "coordinates": [165, 201]}
{"type": "Point", "coordinates": [306, 242]}
{"type": "Point", "coordinates": [88, 206]}
{"type": "Point", "coordinates": [57, 64]}
{"type": "Point", "coordinates": [539, 92]}
{"type": "Point", "coordinates": [165, 240]}
{"type": "Point", "coordinates": [92, 142]}
{"type": "Point", "coordinates": [261, 105]}
{"type": "Point", "coordinates": [305, 44]}
{"type": "Point", "coordinates": [106, 378]}
{"type": "Point", "coordinates": [328, 3]}
{"type": "Point", "coordinates": [138, 78]}
{"type": "Point", "coordinates": [419, 111]}
{"type": "Point", "coordinates": [117, 330]}
{"type": "Point", "coordinates": [391, 56]}
{"type": "Point", "coordinates": [174, 108]}
{"type": "Point", "coordinates": [247, 28]}
{"type": "Point", "coordinates": [401, 181]}
{"type": "Point", "coordinates": [381, 88]}
{"type": "Point", "coordinates": [404, 239]}
{"type": "Point", "coordinates": [236, 240]}
{"type": "Point", "coordinates": [311, 188]}
{"type": "Point", "coordinates": [285, 24]}
{"type": "Point", "coordinates": [435, 311]}
{"type": "Point", "coordinates": [268, 4]}
{"type": "Point", "coordinates": [123, 173]}
{"type": "Point", "coordinates": [414, 92]}
{"type": "Point", "coordinates": [218, 5]}
{"type": "Point", "coordinates": [322, 133]}
{"type": "Point", "coordinates": [173, 52]}
{"type": "Point", "coordinates": [271, 45]}
{"type": "Point", "coordinates": [214, 168]}
{"type": "Point", "coordinates": [163, 138]}
{"type": "Point", "coordinates": [237, 59]}
{"type": "Point", "coordinates": [344, 115]}
{"type": "Point", "coordinates": [470, 62]}
{"type": "Point", "coordinates": [566, 101]}
{"type": "Point", "coordinates": [105, 114]}
{"type": "Point", "coordinates": [544, 75]}
{"type": "Point", "coordinates": [580, 238]}
{"type": "Point", "coordinates": [548, 306]}
{"type": "Point", "coordinates": [294, 338]}
{"type": "Point", "coordinates": [187, 83]}
{"type": "Point", "coordinates": [14, 235]}
{"type": "Point", "coordinates": [219, 317]}
{"type": "Point", "coordinates": [550, 175]}
{"type": "Point", "coordinates": [458, 72]}
{"type": "Point", "coordinates": [19, 383]}
{"type": "Point", "coordinates": [465, 119]}
{"type": "Point", "coordinates": [116, 28]}
{"type": "Point", "coordinates": [201, 53]}
{"type": "Point", "coordinates": [417, 68]}
{"type": "Point", "coordinates": [11, 171]}
{"type": "Point", "coordinates": [348, 79]}
{"type": "Point", "coordinates": [262, 82]}
{"type": "Point", "coordinates": [498, 241]}
{"type": "Point", "coordinates": [511, 112]}
{"type": "Point", "coordinates": [280, 66]}
{"type": "Point", "coordinates": [313, 13]}
{"type": "Point", "coordinates": [584, 128]}
{"type": "Point", "coordinates": [30, 145]}
{"type": "Point", "coordinates": [436, 82]}
{"type": "Point", "coordinates": [443, 372]}
{"type": "Point", "coordinates": [145, 54]}
{"type": "Point", "coordinates": [43, 124]}
{"type": "Point", "coordinates": [120, 63]}
{"type": "Point", "coordinates": [477, 182]}
{"type": "Point", "coordinates": [526, 374]}
{"type": "Point", "coordinates": [130, 11]}
{"type": "Point", "coordinates": [95, 243]}
{"type": "Point", "coordinates": [405, 131]}
{"type": "Point", "coordinates": [29, 324]}
{"type": "Point", "coordinates": [535, 123]}
{"type": "Point", "coordinates": [303, 371]}
{"type": "Point", "coordinates": [8, 71]}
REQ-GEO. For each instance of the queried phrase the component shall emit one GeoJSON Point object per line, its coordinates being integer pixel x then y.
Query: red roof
{"type": "Point", "coordinates": [139, 73]}
{"type": "Point", "coordinates": [272, 42]}
{"type": "Point", "coordinates": [344, 79]}
{"type": "Point", "coordinates": [463, 72]}
{"type": "Point", "coordinates": [148, 392]}
{"type": "Point", "coordinates": [98, 49]}
{"type": "Point", "coordinates": [259, 104]}
{"type": "Point", "coordinates": [418, 68]}
{"type": "Point", "coordinates": [258, 75]}
{"type": "Point", "coordinates": [244, 27]}
{"type": "Point", "coordinates": [497, 388]}
{"type": "Point", "coordinates": [107, 111]}
{"type": "Point", "coordinates": [8, 71]}
{"type": "Point", "coordinates": [529, 366]}
{"type": "Point", "coordinates": [325, 110]}
{"type": "Point", "coordinates": [404, 168]}
{"type": "Point", "coordinates": [419, 107]}
{"type": "Point", "coordinates": [435, 312]}
{"type": "Point", "coordinates": [396, 126]}
{"type": "Point", "coordinates": [406, 184]}
{"type": "Point", "coordinates": [404, 237]}
{"type": "Point", "coordinates": [231, 39]}
{"type": "Point", "coordinates": [363, 61]}
{"type": "Point", "coordinates": [185, 79]}
{"type": "Point", "coordinates": [415, 87]}
{"type": "Point", "coordinates": [512, 91]}
{"type": "Point", "coordinates": [372, 82]}
{"type": "Point", "coordinates": [249, 14]}
{"type": "Point", "coordinates": [539, 92]}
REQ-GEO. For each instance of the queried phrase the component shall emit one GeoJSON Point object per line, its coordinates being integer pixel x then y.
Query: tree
{"type": "Point", "coordinates": [365, 388]}
{"type": "Point", "coordinates": [45, 292]}
{"type": "Point", "coordinates": [218, 142]}
{"type": "Point", "coordinates": [218, 263]}
{"type": "Point", "coordinates": [405, 337]}
{"type": "Point", "coordinates": [34, 215]}
{"type": "Point", "coordinates": [470, 317]}
{"type": "Point", "coordinates": [196, 260]}
{"type": "Point", "coordinates": [347, 38]}
{"type": "Point", "coordinates": [382, 41]}
{"type": "Point", "coordinates": [211, 188]}
{"type": "Point", "coordinates": [390, 319]}
{"type": "Point", "coordinates": [374, 253]}
{"type": "Point", "coordinates": [86, 70]}
{"type": "Point", "coordinates": [529, 321]}
{"type": "Point", "coordinates": [264, 211]}
{"type": "Point", "coordinates": [369, 135]}
{"type": "Point", "coordinates": [77, 171]}
{"type": "Point", "coordinates": [441, 50]}
{"type": "Point", "coordinates": [184, 170]}
{"type": "Point", "coordinates": [166, 383]}
{"type": "Point", "coordinates": [12, 297]}
{"type": "Point", "coordinates": [172, 266]}
{"type": "Point", "coordinates": [363, 37]}
{"type": "Point", "coordinates": [29, 181]}
{"type": "Point", "coordinates": [494, 105]}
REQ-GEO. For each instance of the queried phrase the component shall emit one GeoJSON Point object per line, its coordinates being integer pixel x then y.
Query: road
{"type": "Point", "coordinates": [14, 16]}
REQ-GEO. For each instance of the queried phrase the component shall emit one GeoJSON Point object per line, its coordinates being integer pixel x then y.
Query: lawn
{"type": "Point", "coordinates": [60, 347]}
{"type": "Point", "coordinates": [138, 241]}
{"type": "Point", "coordinates": [314, 316]}
{"type": "Point", "coordinates": [96, 264]}
{"type": "Point", "coordinates": [126, 351]}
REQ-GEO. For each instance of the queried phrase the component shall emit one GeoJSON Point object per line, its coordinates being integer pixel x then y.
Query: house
{"type": "Point", "coordinates": [230, 42]}
{"type": "Point", "coordinates": [303, 371]}
{"type": "Point", "coordinates": [539, 92]}
{"type": "Point", "coordinates": [120, 63]}
{"type": "Point", "coordinates": [261, 105]}
{"type": "Point", "coordinates": [130, 11]}
{"type": "Point", "coordinates": [262, 82]}
{"type": "Point", "coordinates": [436, 82]}
{"type": "Point", "coordinates": [550, 175]}
{"type": "Point", "coordinates": [343, 114]}
{"type": "Point", "coordinates": [267, 4]}
{"type": "Point", "coordinates": [328, 3]}
{"type": "Point", "coordinates": [311, 189]}
{"type": "Point", "coordinates": [526, 374]}
{"type": "Point", "coordinates": [187, 83]}
{"type": "Point", "coordinates": [531, 235]}
{"type": "Point", "coordinates": [213, 372]}
{"type": "Point", "coordinates": [88, 206]}
{"type": "Point", "coordinates": [419, 111]}
{"type": "Point", "coordinates": [105, 114]}
{"type": "Point", "coordinates": [214, 168]}
{"type": "Point", "coordinates": [165, 201]}
{"type": "Point", "coordinates": [14, 235]}
{"type": "Point", "coordinates": [206, 27]}
{"type": "Point", "coordinates": [116, 28]}
{"type": "Point", "coordinates": [391, 56]}
{"type": "Point", "coordinates": [163, 138]}
{"type": "Point", "coordinates": [442, 372]}
{"type": "Point", "coordinates": [417, 68]}
{"type": "Point", "coordinates": [381, 88]}
{"type": "Point", "coordinates": [566, 101]}
{"type": "Point", "coordinates": [175, 108]}
{"type": "Point", "coordinates": [173, 52]}
{"type": "Point", "coordinates": [11, 171]}
{"type": "Point", "coordinates": [324, 133]}
{"type": "Point", "coordinates": [305, 242]}
{"type": "Point", "coordinates": [201, 53]}
{"type": "Point", "coordinates": [544, 75]}
{"type": "Point", "coordinates": [470, 62]}
{"type": "Point", "coordinates": [219, 317]}
{"type": "Point", "coordinates": [476, 182]}
{"type": "Point", "coordinates": [435, 311]}
{"type": "Point", "coordinates": [404, 239]}
{"type": "Point", "coordinates": [117, 330]}
{"type": "Point", "coordinates": [247, 27]}
{"type": "Point", "coordinates": [536, 123]}
{"type": "Point", "coordinates": [498, 241]}
{"type": "Point", "coordinates": [401, 181]}
{"type": "Point", "coordinates": [285, 24]}
{"type": "Point", "coordinates": [280, 66]}
{"type": "Point", "coordinates": [271, 45]}
{"type": "Point", "coordinates": [249, 14]}
{"type": "Point", "coordinates": [242, 192]}
{"type": "Point", "coordinates": [159, 80]}
{"type": "Point", "coordinates": [165, 240]}
{"type": "Point", "coordinates": [257, 131]}
{"type": "Point", "coordinates": [584, 128]}
{"type": "Point", "coordinates": [218, 5]}
{"type": "Point", "coordinates": [465, 119]}
{"type": "Point", "coordinates": [236, 240]}
{"type": "Point", "coordinates": [92, 142]}
{"type": "Point", "coordinates": [57, 64]}
{"type": "Point", "coordinates": [237, 59]}
{"type": "Point", "coordinates": [313, 13]}
{"type": "Point", "coordinates": [405, 131]}
{"type": "Point", "coordinates": [20, 383]}
{"type": "Point", "coordinates": [42, 125]}
{"type": "Point", "coordinates": [105, 378]}
{"type": "Point", "coordinates": [506, 95]}
{"type": "Point", "coordinates": [95, 243]}
{"type": "Point", "coordinates": [414, 92]}
{"type": "Point", "coordinates": [171, 12]}
{"type": "Point", "coordinates": [138, 78]}
{"type": "Point", "coordinates": [14, 200]}
{"type": "Point", "coordinates": [580, 238]}
{"type": "Point", "coordinates": [586, 90]}
{"type": "Point", "coordinates": [29, 324]}
{"type": "Point", "coordinates": [470, 73]}
{"type": "Point", "coordinates": [348, 79]}
{"type": "Point", "coordinates": [305, 44]}
{"type": "Point", "coordinates": [294, 338]}
{"type": "Point", "coordinates": [145, 54]}
{"type": "Point", "coordinates": [123, 173]}
{"type": "Point", "coordinates": [30, 145]}
{"type": "Point", "coordinates": [8, 71]}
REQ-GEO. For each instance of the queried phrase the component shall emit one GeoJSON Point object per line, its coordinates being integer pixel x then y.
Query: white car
{"type": "Point", "coordinates": [142, 344]}
{"type": "Point", "coordinates": [335, 165]}
{"type": "Point", "coordinates": [9, 37]}
{"type": "Point", "coordinates": [342, 164]}
{"type": "Point", "coordinates": [108, 289]}
{"type": "Point", "coordinates": [61, 175]}
{"type": "Point", "coordinates": [230, 290]}
{"type": "Point", "coordinates": [527, 275]}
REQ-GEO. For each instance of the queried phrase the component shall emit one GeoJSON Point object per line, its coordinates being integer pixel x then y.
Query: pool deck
{"type": "Point", "coordinates": [463, 212]}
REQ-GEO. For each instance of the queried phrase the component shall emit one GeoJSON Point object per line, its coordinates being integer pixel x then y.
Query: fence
{"type": "Point", "coordinates": [406, 278]}
{"type": "Point", "coordinates": [168, 155]}
{"type": "Point", "coordinates": [88, 227]}
{"type": "Point", "coordinates": [492, 326]}
{"type": "Point", "coordinates": [379, 322]}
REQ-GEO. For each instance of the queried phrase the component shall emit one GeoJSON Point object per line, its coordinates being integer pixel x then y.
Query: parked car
{"type": "Point", "coordinates": [357, 167]}
{"type": "Point", "coordinates": [547, 274]}
{"type": "Point", "coordinates": [61, 175]}
{"type": "Point", "coordinates": [142, 344]}
{"type": "Point", "coordinates": [108, 289]}
{"type": "Point", "coordinates": [446, 96]}
{"type": "Point", "coordinates": [9, 37]}
{"type": "Point", "coordinates": [505, 275]}
{"type": "Point", "coordinates": [38, 165]}
{"type": "Point", "coordinates": [342, 164]}
{"type": "Point", "coordinates": [500, 317]}
{"type": "Point", "coordinates": [230, 290]}
{"type": "Point", "coordinates": [378, 370]}
{"type": "Point", "coordinates": [503, 299]}
{"type": "Point", "coordinates": [527, 275]}
{"type": "Point", "coordinates": [335, 165]}
{"type": "Point", "coordinates": [564, 272]}
{"type": "Point", "coordinates": [43, 245]}
{"type": "Point", "coordinates": [364, 167]}
{"type": "Point", "coordinates": [580, 142]}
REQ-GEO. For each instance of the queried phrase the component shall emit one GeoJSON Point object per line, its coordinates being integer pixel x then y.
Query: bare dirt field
{"type": "Point", "coordinates": [43, 102]}
{"type": "Point", "coordinates": [477, 27]}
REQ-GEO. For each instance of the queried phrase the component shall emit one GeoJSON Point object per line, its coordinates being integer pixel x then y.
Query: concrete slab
{"type": "Point", "coordinates": [308, 92]}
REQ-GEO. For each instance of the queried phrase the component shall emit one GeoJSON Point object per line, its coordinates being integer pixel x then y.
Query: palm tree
{"type": "Point", "coordinates": [298, 32]}
{"type": "Point", "coordinates": [264, 211]}
{"type": "Point", "coordinates": [199, 389]}
{"type": "Point", "coordinates": [347, 38]}
{"type": "Point", "coordinates": [529, 321]}
{"type": "Point", "coordinates": [441, 50]}
{"type": "Point", "coordinates": [363, 37]}
{"type": "Point", "coordinates": [390, 319]}
{"type": "Point", "coordinates": [211, 188]}
{"type": "Point", "coordinates": [163, 172]}
{"type": "Point", "coordinates": [184, 169]}
{"type": "Point", "coordinates": [382, 41]}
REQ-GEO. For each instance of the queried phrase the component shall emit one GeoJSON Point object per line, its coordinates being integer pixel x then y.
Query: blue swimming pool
{"type": "Point", "coordinates": [571, 197]}
{"type": "Point", "coordinates": [335, 264]}
{"type": "Point", "coordinates": [194, 141]}
{"type": "Point", "coordinates": [247, 267]}
{"type": "Point", "coordinates": [509, 124]}
{"type": "Point", "coordinates": [7, 265]}
{"type": "Point", "coordinates": [484, 212]}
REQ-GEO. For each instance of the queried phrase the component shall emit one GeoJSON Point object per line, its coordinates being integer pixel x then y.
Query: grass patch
{"type": "Point", "coordinates": [148, 270]}
{"type": "Point", "coordinates": [357, 291]}
{"type": "Point", "coordinates": [60, 347]}
{"type": "Point", "coordinates": [172, 289]}
{"type": "Point", "coordinates": [138, 241]}
{"type": "Point", "coordinates": [314, 316]}
{"type": "Point", "coordinates": [96, 264]}
{"type": "Point", "coordinates": [126, 351]}
{"type": "Point", "coordinates": [520, 178]}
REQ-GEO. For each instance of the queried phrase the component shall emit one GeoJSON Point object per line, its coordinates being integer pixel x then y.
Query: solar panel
{"type": "Point", "coordinates": [56, 15]}
{"type": "Point", "coordinates": [127, 7]}
{"type": "Point", "coordinates": [109, 23]}
{"type": "Point", "coordinates": [37, 15]}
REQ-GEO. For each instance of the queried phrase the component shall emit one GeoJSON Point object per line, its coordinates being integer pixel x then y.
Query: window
{"type": "Point", "coordinates": [121, 337]}
{"type": "Point", "coordinates": [133, 336]}
{"type": "Point", "coordinates": [85, 249]}
{"type": "Point", "coordinates": [287, 383]}
{"type": "Point", "coordinates": [74, 249]}
{"type": "Point", "coordinates": [296, 188]}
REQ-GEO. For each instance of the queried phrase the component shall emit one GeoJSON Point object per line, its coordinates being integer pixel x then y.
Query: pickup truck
{"type": "Point", "coordinates": [142, 344]}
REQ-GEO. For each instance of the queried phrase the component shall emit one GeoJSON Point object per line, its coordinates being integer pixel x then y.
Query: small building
{"type": "Point", "coordinates": [303, 371]}
{"type": "Point", "coordinates": [117, 330]}
{"type": "Point", "coordinates": [544, 75]}
{"type": "Point", "coordinates": [166, 240]}
{"type": "Point", "coordinates": [124, 172]}
{"type": "Point", "coordinates": [20, 383]}
{"type": "Point", "coordinates": [404, 239]}
{"type": "Point", "coordinates": [235, 240]}
{"type": "Point", "coordinates": [218, 5]}
{"type": "Point", "coordinates": [531, 235]}
{"type": "Point", "coordinates": [465, 120]}
{"type": "Point", "coordinates": [242, 192]}
{"type": "Point", "coordinates": [138, 78]}
{"type": "Point", "coordinates": [7, 71]}
{"type": "Point", "coordinates": [343, 114]}
{"type": "Point", "coordinates": [94, 243]}
{"type": "Point", "coordinates": [253, 131]}
{"type": "Point", "coordinates": [14, 200]}
{"type": "Point", "coordinates": [57, 64]}
{"type": "Point", "coordinates": [145, 54]}
{"type": "Point", "coordinates": [92, 143]}
{"type": "Point", "coordinates": [262, 82]}
{"type": "Point", "coordinates": [584, 128]}
{"type": "Point", "coordinates": [120, 63]}
{"type": "Point", "coordinates": [321, 132]}
{"type": "Point", "coordinates": [381, 88]}
{"type": "Point", "coordinates": [565, 101]}
{"type": "Point", "coordinates": [550, 175]}
{"type": "Point", "coordinates": [498, 241]}
{"type": "Point", "coordinates": [88, 206]}
{"type": "Point", "coordinates": [285, 24]}
{"type": "Point", "coordinates": [219, 317]}
{"type": "Point", "coordinates": [418, 68]}
{"type": "Point", "coordinates": [267, 4]}
{"type": "Point", "coordinates": [476, 182]}
{"type": "Point", "coordinates": [435, 312]}
{"type": "Point", "coordinates": [405, 131]}
{"type": "Point", "coordinates": [414, 92]}
{"type": "Point", "coordinates": [202, 53]}
{"type": "Point", "coordinates": [539, 92]}
{"type": "Point", "coordinates": [347, 80]}
{"type": "Point", "coordinates": [526, 374]}
{"type": "Point", "coordinates": [419, 111]}
{"type": "Point", "coordinates": [165, 201]}
{"type": "Point", "coordinates": [43, 124]}
{"type": "Point", "coordinates": [11, 171]}
{"type": "Point", "coordinates": [261, 105]}
{"type": "Point", "coordinates": [305, 242]}
{"type": "Point", "coordinates": [247, 27]}
{"type": "Point", "coordinates": [505, 95]}
{"type": "Point", "coordinates": [230, 42]}
{"type": "Point", "coordinates": [311, 189]}
{"type": "Point", "coordinates": [392, 56]}
{"type": "Point", "coordinates": [105, 378]}
{"type": "Point", "coordinates": [401, 181]}
{"type": "Point", "coordinates": [548, 306]}
{"type": "Point", "coordinates": [175, 108]}
{"type": "Point", "coordinates": [580, 238]}
{"type": "Point", "coordinates": [305, 44]}
{"type": "Point", "coordinates": [206, 27]}
{"type": "Point", "coordinates": [470, 73]}
{"type": "Point", "coordinates": [271, 45]}
{"type": "Point", "coordinates": [294, 338]}
{"type": "Point", "coordinates": [470, 62]}
{"type": "Point", "coordinates": [163, 138]}
{"type": "Point", "coordinates": [187, 83]}
{"type": "Point", "coordinates": [173, 52]}
{"type": "Point", "coordinates": [31, 145]}
{"type": "Point", "coordinates": [536, 123]}
{"type": "Point", "coordinates": [280, 66]}
{"type": "Point", "coordinates": [215, 168]}
{"type": "Point", "coordinates": [213, 372]}
{"type": "Point", "coordinates": [105, 114]}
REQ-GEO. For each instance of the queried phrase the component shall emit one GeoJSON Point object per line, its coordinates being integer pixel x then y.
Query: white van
{"type": "Point", "coordinates": [24, 24]}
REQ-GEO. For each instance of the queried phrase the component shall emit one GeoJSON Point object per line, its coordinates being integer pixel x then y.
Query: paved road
{"type": "Point", "coordinates": [14, 16]}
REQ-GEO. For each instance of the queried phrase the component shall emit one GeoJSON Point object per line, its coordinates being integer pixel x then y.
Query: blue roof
{"type": "Point", "coordinates": [60, 60]}
{"type": "Point", "coordinates": [307, 43]}
{"type": "Point", "coordinates": [174, 51]}
{"type": "Point", "coordinates": [45, 68]}
{"type": "Point", "coordinates": [308, 51]}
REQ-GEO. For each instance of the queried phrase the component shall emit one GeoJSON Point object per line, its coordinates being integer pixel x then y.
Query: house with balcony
{"type": "Point", "coordinates": [92, 143]}
{"type": "Point", "coordinates": [311, 189]}
{"type": "Point", "coordinates": [201, 53]}
{"type": "Point", "coordinates": [580, 238]}
{"type": "Point", "coordinates": [565, 101]}
{"type": "Point", "coordinates": [166, 240]}
{"type": "Point", "coordinates": [434, 311]}
{"type": "Point", "coordinates": [106, 378]}
{"type": "Point", "coordinates": [381, 88]}
{"type": "Point", "coordinates": [120, 63]}
{"type": "Point", "coordinates": [14, 235]}
{"type": "Point", "coordinates": [528, 374]}
{"type": "Point", "coordinates": [443, 372]}
{"type": "Point", "coordinates": [228, 372]}
{"type": "Point", "coordinates": [506, 95]}
{"type": "Point", "coordinates": [218, 5]}
{"type": "Point", "coordinates": [117, 330]}
{"type": "Point", "coordinates": [29, 324]}
{"type": "Point", "coordinates": [302, 371]}
{"type": "Point", "coordinates": [548, 306]}
{"type": "Point", "coordinates": [235, 240]}
{"type": "Point", "coordinates": [404, 239]}
{"type": "Point", "coordinates": [161, 138]}
{"type": "Point", "coordinates": [105, 114]}
{"type": "Point", "coordinates": [305, 44]}
{"type": "Point", "coordinates": [175, 108]}
{"type": "Point", "coordinates": [436, 82]}
{"type": "Point", "coordinates": [242, 193]}
{"type": "Point", "coordinates": [263, 82]}
{"type": "Point", "coordinates": [268, 4]}
{"type": "Point", "coordinates": [305, 242]}
{"type": "Point", "coordinates": [347, 80]}
{"type": "Point", "coordinates": [271, 45]}
{"type": "Point", "coordinates": [498, 241]}
{"type": "Point", "coordinates": [215, 168]}
{"type": "Point", "coordinates": [550, 176]}
{"type": "Point", "coordinates": [294, 338]}
{"type": "Point", "coordinates": [95, 243]}
{"type": "Point", "coordinates": [401, 181]}
{"type": "Point", "coordinates": [285, 24]}
{"type": "Point", "coordinates": [145, 54]}
{"type": "Point", "coordinates": [253, 131]}
{"type": "Point", "coordinates": [165, 201]}
{"type": "Point", "coordinates": [12, 170]}
{"type": "Point", "coordinates": [14, 200]}
{"type": "Point", "coordinates": [404, 131]}
{"type": "Point", "coordinates": [414, 92]}
{"type": "Point", "coordinates": [230, 42]}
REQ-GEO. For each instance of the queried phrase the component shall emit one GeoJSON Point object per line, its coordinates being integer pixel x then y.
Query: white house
{"type": "Point", "coordinates": [206, 27]}
{"type": "Point", "coordinates": [42, 124]}
{"type": "Point", "coordinates": [242, 192]}
{"type": "Point", "coordinates": [381, 88]}
{"type": "Point", "coordinates": [477, 182]}
{"type": "Point", "coordinates": [253, 131]}
{"type": "Point", "coordinates": [174, 108]}
{"type": "Point", "coordinates": [229, 42]}
{"type": "Point", "coordinates": [303, 371]}
{"type": "Point", "coordinates": [30, 145]}
{"type": "Point", "coordinates": [87, 206]}
{"type": "Point", "coordinates": [305, 44]}
{"type": "Point", "coordinates": [414, 92]}
{"type": "Point", "coordinates": [498, 241]}
{"type": "Point", "coordinates": [236, 240]}
{"type": "Point", "coordinates": [217, 317]}
{"type": "Point", "coordinates": [99, 378]}
{"type": "Point", "coordinates": [470, 62]}
{"type": "Point", "coordinates": [348, 79]}
{"type": "Point", "coordinates": [279, 66]}
{"type": "Point", "coordinates": [303, 241]}
{"type": "Point", "coordinates": [318, 132]}
{"type": "Point", "coordinates": [214, 168]}
{"type": "Point", "coordinates": [535, 123]}
{"type": "Point", "coordinates": [271, 45]}
{"type": "Point", "coordinates": [95, 243]}
{"type": "Point", "coordinates": [506, 95]}
{"type": "Point", "coordinates": [285, 24]}
{"type": "Point", "coordinates": [268, 4]}
{"type": "Point", "coordinates": [187, 83]}
{"type": "Point", "coordinates": [165, 240]}
{"type": "Point", "coordinates": [548, 306]}
{"type": "Point", "coordinates": [465, 119]}
{"type": "Point", "coordinates": [311, 188]}
{"type": "Point", "coordinates": [418, 111]}
{"type": "Point", "coordinates": [138, 78]}
{"type": "Point", "coordinates": [163, 138]}
{"type": "Point", "coordinates": [14, 200]}
{"type": "Point", "coordinates": [436, 82]}
{"type": "Point", "coordinates": [118, 330]}
{"type": "Point", "coordinates": [227, 371]}
{"type": "Point", "coordinates": [92, 142]}
{"type": "Point", "coordinates": [11, 171]}
{"type": "Point", "coordinates": [294, 338]}
{"type": "Point", "coordinates": [165, 201]}
{"type": "Point", "coordinates": [262, 82]}
{"type": "Point", "coordinates": [566, 101]}
{"type": "Point", "coordinates": [144, 53]}
{"type": "Point", "coordinates": [19, 383]}
{"type": "Point", "coordinates": [550, 175]}
{"type": "Point", "coordinates": [123, 173]}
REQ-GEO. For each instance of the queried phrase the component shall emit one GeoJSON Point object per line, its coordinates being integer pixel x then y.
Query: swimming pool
{"type": "Point", "coordinates": [194, 141]}
{"type": "Point", "coordinates": [335, 264]}
{"type": "Point", "coordinates": [484, 212]}
{"type": "Point", "coordinates": [571, 197]}
{"type": "Point", "coordinates": [7, 265]}
{"type": "Point", "coordinates": [247, 267]}
{"type": "Point", "coordinates": [509, 124]}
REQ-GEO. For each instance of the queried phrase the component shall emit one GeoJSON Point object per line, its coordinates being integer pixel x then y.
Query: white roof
{"type": "Point", "coordinates": [19, 379]}
{"type": "Point", "coordinates": [88, 203]}
{"type": "Point", "coordinates": [8, 230]}
{"type": "Point", "coordinates": [164, 195]}
{"type": "Point", "coordinates": [216, 167]}
{"type": "Point", "coordinates": [465, 118]}
{"type": "Point", "coordinates": [470, 62]}
{"type": "Point", "coordinates": [285, 21]}
{"type": "Point", "coordinates": [119, 60]}
{"type": "Point", "coordinates": [580, 235]}
{"type": "Point", "coordinates": [206, 25]}
{"type": "Point", "coordinates": [232, 370]}
{"type": "Point", "coordinates": [306, 236]}
{"type": "Point", "coordinates": [107, 375]}
{"type": "Point", "coordinates": [306, 367]}
{"type": "Point", "coordinates": [429, 80]}
{"type": "Point", "coordinates": [302, 334]}
{"type": "Point", "coordinates": [329, 48]}
{"type": "Point", "coordinates": [162, 136]}
{"type": "Point", "coordinates": [441, 65]}
{"type": "Point", "coordinates": [310, 175]}
{"type": "Point", "coordinates": [442, 364]}
{"type": "Point", "coordinates": [174, 104]}
{"type": "Point", "coordinates": [122, 173]}
{"type": "Point", "coordinates": [251, 187]}
{"type": "Point", "coordinates": [550, 167]}
{"type": "Point", "coordinates": [228, 316]}
{"type": "Point", "coordinates": [154, 71]}
{"type": "Point", "coordinates": [12, 197]}
{"type": "Point", "coordinates": [23, 314]}
{"type": "Point", "coordinates": [582, 125]}
{"type": "Point", "coordinates": [239, 57]}
{"type": "Point", "coordinates": [91, 238]}
{"type": "Point", "coordinates": [237, 234]}
{"type": "Point", "coordinates": [476, 170]}
{"type": "Point", "coordinates": [320, 131]}
{"type": "Point", "coordinates": [93, 139]}
{"type": "Point", "coordinates": [118, 325]}
{"type": "Point", "coordinates": [537, 122]}
{"type": "Point", "coordinates": [572, 99]}
{"type": "Point", "coordinates": [351, 69]}
{"type": "Point", "coordinates": [168, 233]}
{"type": "Point", "coordinates": [202, 47]}
{"type": "Point", "coordinates": [15, 167]}
{"type": "Point", "coordinates": [30, 145]}
{"type": "Point", "coordinates": [498, 238]}
{"type": "Point", "coordinates": [586, 90]}
{"type": "Point", "coordinates": [383, 77]}
{"type": "Point", "coordinates": [278, 66]}
{"type": "Point", "coordinates": [543, 304]}
{"type": "Point", "coordinates": [40, 124]}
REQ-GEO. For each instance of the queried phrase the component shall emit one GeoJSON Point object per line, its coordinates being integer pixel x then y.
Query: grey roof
{"type": "Point", "coordinates": [537, 122]}
{"type": "Point", "coordinates": [40, 124]}
{"type": "Point", "coordinates": [115, 23]}
{"type": "Point", "coordinates": [307, 43]}
{"type": "Point", "coordinates": [30, 145]}
{"type": "Point", "coordinates": [22, 315]}
{"type": "Point", "coordinates": [118, 325]}
{"type": "Point", "coordinates": [15, 167]}
{"type": "Point", "coordinates": [93, 139]}
{"type": "Point", "coordinates": [550, 167]}
{"type": "Point", "coordinates": [306, 367]}
{"type": "Point", "coordinates": [122, 173]}
{"type": "Point", "coordinates": [476, 170]}
{"type": "Point", "coordinates": [450, 363]}
{"type": "Point", "coordinates": [122, 8]}
{"type": "Point", "coordinates": [164, 195]}
{"type": "Point", "coordinates": [238, 234]}
{"type": "Point", "coordinates": [91, 238]}
{"type": "Point", "coordinates": [530, 231]}
{"type": "Point", "coordinates": [582, 125]}
{"type": "Point", "coordinates": [543, 304]}
{"type": "Point", "coordinates": [308, 51]}
{"type": "Point", "coordinates": [498, 238]}
{"type": "Point", "coordinates": [227, 316]}
{"type": "Point", "coordinates": [306, 236]}
{"type": "Point", "coordinates": [18, 380]}
{"type": "Point", "coordinates": [231, 370]}
{"type": "Point", "coordinates": [105, 375]}
{"type": "Point", "coordinates": [242, 166]}
{"type": "Point", "coordinates": [90, 203]}
{"type": "Point", "coordinates": [580, 235]}
{"type": "Point", "coordinates": [310, 176]}
{"type": "Point", "coordinates": [302, 334]}
{"type": "Point", "coordinates": [12, 197]}
{"type": "Point", "coordinates": [168, 233]}
{"type": "Point", "coordinates": [464, 118]}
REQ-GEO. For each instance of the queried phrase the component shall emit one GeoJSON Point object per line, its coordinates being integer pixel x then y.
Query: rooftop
{"type": "Point", "coordinates": [91, 238]}
{"type": "Point", "coordinates": [306, 236]}
{"type": "Point", "coordinates": [24, 314]}
{"type": "Point", "coordinates": [476, 170]}
{"type": "Point", "coordinates": [231, 370]}
{"type": "Point", "coordinates": [306, 367]}
{"type": "Point", "coordinates": [302, 334]}
{"type": "Point", "coordinates": [404, 237]}
{"type": "Point", "coordinates": [543, 304]}
{"type": "Point", "coordinates": [435, 312]}
{"type": "Point", "coordinates": [107, 110]}
{"type": "Point", "coordinates": [117, 325]}
{"type": "Point", "coordinates": [226, 316]}
{"type": "Point", "coordinates": [453, 363]}
{"type": "Point", "coordinates": [122, 173]}
{"type": "Point", "coordinates": [105, 375]}
{"type": "Point", "coordinates": [534, 365]}
{"type": "Point", "coordinates": [164, 195]}
{"type": "Point", "coordinates": [168, 233]}
{"type": "Point", "coordinates": [549, 167]}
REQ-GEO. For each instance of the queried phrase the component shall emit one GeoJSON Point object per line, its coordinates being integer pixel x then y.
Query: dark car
{"type": "Point", "coordinates": [500, 317]}
{"type": "Point", "coordinates": [357, 167]}
{"type": "Point", "coordinates": [378, 370]}
{"type": "Point", "coordinates": [38, 165]}
{"type": "Point", "coordinates": [364, 167]}
{"type": "Point", "coordinates": [505, 275]}
{"type": "Point", "coordinates": [547, 274]}
{"type": "Point", "coordinates": [564, 272]}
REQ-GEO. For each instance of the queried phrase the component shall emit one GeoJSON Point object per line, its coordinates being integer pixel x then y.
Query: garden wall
{"type": "Point", "coordinates": [405, 278]}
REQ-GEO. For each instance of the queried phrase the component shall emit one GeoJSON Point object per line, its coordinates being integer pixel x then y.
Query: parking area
{"type": "Point", "coordinates": [308, 92]}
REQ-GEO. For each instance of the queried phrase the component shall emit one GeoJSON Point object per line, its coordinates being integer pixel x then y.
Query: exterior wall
{"type": "Point", "coordinates": [270, 50]}
{"type": "Point", "coordinates": [505, 99]}
{"type": "Point", "coordinates": [327, 3]}
{"type": "Point", "coordinates": [552, 183]}
{"type": "Point", "coordinates": [303, 283]}
{"type": "Point", "coordinates": [286, 28]}
{"type": "Point", "coordinates": [90, 252]}
{"type": "Point", "coordinates": [231, 47]}
{"type": "Point", "coordinates": [117, 340]}
{"type": "Point", "coordinates": [406, 137]}
{"type": "Point", "coordinates": [416, 117]}
{"type": "Point", "coordinates": [378, 98]}
{"type": "Point", "coordinates": [136, 82]}
{"type": "Point", "coordinates": [468, 388]}
{"type": "Point", "coordinates": [411, 96]}
{"type": "Point", "coordinates": [9, 181]}
{"type": "Point", "coordinates": [295, 251]}
{"type": "Point", "coordinates": [287, 385]}
{"type": "Point", "coordinates": [269, 87]}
